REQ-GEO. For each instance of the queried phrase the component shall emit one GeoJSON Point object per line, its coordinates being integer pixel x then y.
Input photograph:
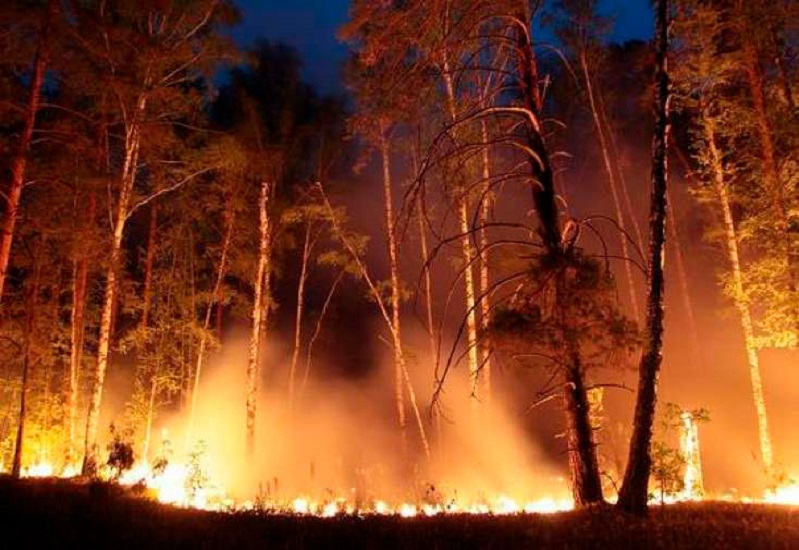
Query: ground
{"type": "Point", "coordinates": [63, 514]}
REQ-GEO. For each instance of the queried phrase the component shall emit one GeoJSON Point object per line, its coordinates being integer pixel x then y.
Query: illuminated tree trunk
{"type": "Point", "coordinates": [393, 257]}
{"type": "Point", "coordinates": [468, 257]}
{"type": "Point", "coordinates": [387, 317]}
{"type": "Point", "coordinates": [731, 242]}
{"type": "Point", "coordinates": [20, 159]}
{"type": "Point", "coordinates": [30, 318]}
{"type": "Point", "coordinates": [80, 274]}
{"type": "Point", "coordinates": [467, 253]}
{"type": "Point", "coordinates": [215, 300]}
{"type": "Point", "coordinates": [586, 481]}
{"type": "Point", "coordinates": [587, 486]}
{"type": "Point", "coordinates": [428, 298]}
{"type": "Point", "coordinates": [485, 279]}
{"type": "Point", "coordinates": [260, 303]}
{"type": "Point", "coordinates": [306, 258]}
{"type": "Point", "coordinates": [635, 486]}
{"type": "Point", "coordinates": [129, 169]}
{"type": "Point", "coordinates": [614, 185]}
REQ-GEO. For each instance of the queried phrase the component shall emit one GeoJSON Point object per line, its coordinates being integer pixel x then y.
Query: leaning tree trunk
{"type": "Point", "coordinates": [259, 304]}
{"type": "Point", "coordinates": [685, 287]}
{"type": "Point", "coordinates": [129, 169]}
{"type": "Point", "coordinates": [731, 243]}
{"type": "Point", "coordinates": [307, 248]}
{"type": "Point", "coordinates": [386, 314]}
{"type": "Point", "coordinates": [393, 257]}
{"type": "Point", "coordinates": [604, 146]}
{"type": "Point", "coordinates": [20, 159]}
{"type": "Point", "coordinates": [635, 487]}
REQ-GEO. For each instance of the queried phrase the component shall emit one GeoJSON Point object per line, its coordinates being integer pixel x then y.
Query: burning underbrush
{"type": "Point", "coordinates": [335, 451]}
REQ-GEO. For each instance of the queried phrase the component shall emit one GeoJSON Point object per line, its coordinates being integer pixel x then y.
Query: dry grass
{"type": "Point", "coordinates": [52, 513]}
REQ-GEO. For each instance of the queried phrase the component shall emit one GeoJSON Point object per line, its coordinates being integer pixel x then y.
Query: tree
{"type": "Point", "coordinates": [19, 162]}
{"type": "Point", "coordinates": [148, 68]}
{"type": "Point", "coordinates": [633, 495]}
{"type": "Point", "coordinates": [581, 29]}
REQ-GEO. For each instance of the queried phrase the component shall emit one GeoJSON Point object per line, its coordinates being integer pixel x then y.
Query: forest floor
{"type": "Point", "coordinates": [64, 514]}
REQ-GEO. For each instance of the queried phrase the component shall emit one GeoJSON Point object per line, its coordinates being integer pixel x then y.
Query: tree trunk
{"type": "Point", "coordinates": [731, 242]}
{"type": "Point", "coordinates": [259, 304]}
{"type": "Point", "coordinates": [468, 257]}
{"type": "Point", "coordinates": [20, 159]}
{"type": "Point", "coordinates": [614, 185]}
{"type": "Point", "coordinates": [215, 300]}
{"type": "Point", "coordinates": [80, 275]}
{"type": "Point", "coordinates": [295, 356]}
{"type": "Point", "coordinates": [485, 280]}
{"type": "Point", "coordinates": [587, 487]}
{"type": "Point", "coordinates": [682, 275]}
{"type": "Point", "coordinates": [620, 166]}
{"type": "Point", "coordinates": [148, 265]}
{"type": "Point", "coordinates": [586, 480]}
{"type": "Point", "coordinates": [318, 329]}
{"type": "Point", "coordinates": [30, 318]}
{"type": "Point", "coordinates": [387, 317]}
{"type": "Point", "coordinates": [393, 257]}
{"type": "Point", "coordinates": [150, 414]}
{"type": "Point", "coordinates": [129, 169]}
{"type": "Point", "coordinates": [635, 486]}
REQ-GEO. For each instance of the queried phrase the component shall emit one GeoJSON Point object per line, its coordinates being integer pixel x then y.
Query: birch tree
{"type": "Point", "coordinates": [146, 54]}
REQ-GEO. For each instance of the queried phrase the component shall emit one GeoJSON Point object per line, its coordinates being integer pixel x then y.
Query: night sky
{"type": "Point", "coordinates": [310, 26]}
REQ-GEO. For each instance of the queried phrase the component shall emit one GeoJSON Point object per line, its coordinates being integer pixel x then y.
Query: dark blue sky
{"type": "Point", "coordinates": [310, 26]}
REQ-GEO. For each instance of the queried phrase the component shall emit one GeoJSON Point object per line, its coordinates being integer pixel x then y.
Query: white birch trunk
{"type": "Point", "coordinates": [132, 140]}
{"type": "Point", "coordinates": [731, 242]}
{"type": "Point", "coordinates": [614, 187]}
{"type": "Point", "coordinates": [259, 303]}
{"type": "Point", "coordinates": [396, 331]}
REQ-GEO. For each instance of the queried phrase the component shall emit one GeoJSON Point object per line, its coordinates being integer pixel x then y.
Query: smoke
{"type": "Point", "coordinates": [340, 438]}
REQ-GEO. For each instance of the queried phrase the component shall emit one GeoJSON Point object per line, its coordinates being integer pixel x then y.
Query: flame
{"type": "Point", "coordinates": [785, 494]}
{"type": "Point", "coordinates": [177, 484]}
{"type": "Point", "coordinates": [40, 469]}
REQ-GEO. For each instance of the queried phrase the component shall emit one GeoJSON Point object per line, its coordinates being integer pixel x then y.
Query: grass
{"type": "Point", "coordinates": [64, 514]}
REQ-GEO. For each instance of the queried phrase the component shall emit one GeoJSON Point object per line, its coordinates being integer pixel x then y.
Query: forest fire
{"type": "Point", "coordinates": [440, 290]}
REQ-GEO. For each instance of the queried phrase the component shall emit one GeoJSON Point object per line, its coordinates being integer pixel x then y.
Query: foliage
{"type": "Point", "coordinates": [668, 462]}
{"type": "Point", "coordinates": [120, 452]}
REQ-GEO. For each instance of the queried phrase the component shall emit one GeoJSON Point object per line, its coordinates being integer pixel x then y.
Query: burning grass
{"type": "Point", "coordinates": [46, 512]}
